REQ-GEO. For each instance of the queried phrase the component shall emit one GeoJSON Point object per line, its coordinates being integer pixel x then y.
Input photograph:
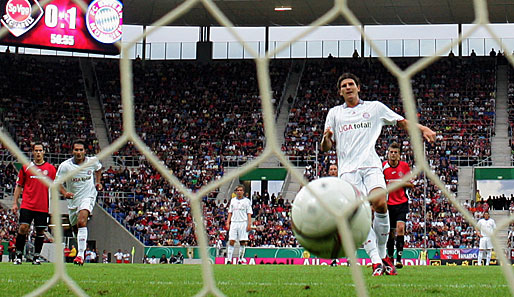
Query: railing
{"type": "Point", "coordinates": [299, 49]}
{"type": "Point", "coordinates": [127, 161]}
{"type": "Point", "coordinates": [52, 158]}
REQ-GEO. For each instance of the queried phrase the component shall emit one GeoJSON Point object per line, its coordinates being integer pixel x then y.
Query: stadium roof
{"type": "Point", "coordinates": [304, 12]}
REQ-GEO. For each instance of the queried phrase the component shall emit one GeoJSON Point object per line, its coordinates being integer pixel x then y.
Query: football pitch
{"type": "Point", "coordinates": [265, 280]}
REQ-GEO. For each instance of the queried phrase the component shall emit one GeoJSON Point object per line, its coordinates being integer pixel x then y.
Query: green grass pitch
{"type": "Point", "coordinates": [265, 280]}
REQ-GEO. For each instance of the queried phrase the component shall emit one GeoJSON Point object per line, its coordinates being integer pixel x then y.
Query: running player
{"type": "Point", "coordinates": [80, 192]}
{"type": "Point", "coordinates": [353, 128]}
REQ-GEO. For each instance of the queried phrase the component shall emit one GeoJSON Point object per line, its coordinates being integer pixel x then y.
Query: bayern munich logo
{"type": "Point", "coordinates": [104, 19]}
{"type": "Point", "coordinates": [19, 17]}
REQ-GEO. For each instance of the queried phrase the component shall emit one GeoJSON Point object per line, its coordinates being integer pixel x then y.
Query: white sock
{"type": "Point", "coordinates": [82, 241]}
{"type": "Point", "coordinates": [381, 228]}
{"type": "Point", "coordinates": [241, 251]}
{"type": "Point", "coordinates": [480, 257]}
{"type": "Point", "coordinates": [230, 251]}
{"type": "Point", "coordinates": [370, 245]}
{"type": "Point", "coordinates": [488, 257]}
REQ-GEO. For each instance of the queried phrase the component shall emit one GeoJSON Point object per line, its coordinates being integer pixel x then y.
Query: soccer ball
{"type": "Point", "coordinates": [316, 229]}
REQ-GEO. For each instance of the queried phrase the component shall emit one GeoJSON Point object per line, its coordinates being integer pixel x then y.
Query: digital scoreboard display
{"type": "Point", "coordinates": [62, 25]}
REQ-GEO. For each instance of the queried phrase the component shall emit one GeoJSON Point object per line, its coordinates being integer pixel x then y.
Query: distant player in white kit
{"type": "Point", "coordinates": [239, 222]}
{"type": "Point", "coordinates": [80, 192]}
{"type": "Point", "coordinates": [487, 226]}
{"type": "Point", "coordinates": [354, 128]}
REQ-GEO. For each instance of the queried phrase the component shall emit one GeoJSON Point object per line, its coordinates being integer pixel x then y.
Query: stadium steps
{"type": "Point", "coordinates": [465, 186]}
{"type": "Point", "coordinates": [95, 108]}
{"type": "Point", "coordinates": [291, 89]}
{"type": "Point", "coordinates": [227, 188]}
{"type": "Point", "coordinates": [500, 150]}
{"type": "Point", "coordinates": [291, 185]}
{"type": "Point", "coordinates": [499, 216]}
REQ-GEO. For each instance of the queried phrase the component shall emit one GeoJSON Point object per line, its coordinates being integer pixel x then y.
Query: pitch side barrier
{"type": "Point", "coordinates": [298, 256]}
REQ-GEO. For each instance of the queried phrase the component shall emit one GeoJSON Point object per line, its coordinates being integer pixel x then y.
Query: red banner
{"type": "Point", "coordinates": [308, 261]}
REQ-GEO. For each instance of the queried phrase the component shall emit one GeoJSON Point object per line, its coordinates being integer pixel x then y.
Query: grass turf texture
{"type": "Point", "coordinates": [259, 280]}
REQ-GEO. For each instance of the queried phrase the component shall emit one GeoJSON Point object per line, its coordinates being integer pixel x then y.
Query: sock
{"type": "Point", "coordinates": [381, 228]}
{"type": "Point", "coordinates": [480, 256]}
{"type": "Point", "coordinates": [488, 257]}
{"type": "Point", "coordinates": [241, 251]}
{"type": "Point", "coordinates": [20, 244]}
{"type": "Point", "coordinates": [400, 241]}
{"type": "Point", "coordinates": [230, 251]}
{"type": "Point", "coordinates": [370, 245]}
{"type": "Point", "coordinates": [82, 241]}
{"type": "Point", "coordinates": [38, 244]}
{"type": "Point", "coordinates": [390, 245]}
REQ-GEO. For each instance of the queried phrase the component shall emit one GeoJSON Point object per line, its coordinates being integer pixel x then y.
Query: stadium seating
{"type": "Point", "coordinates": [196, 120]}
{"type": "Point", "coordinates": [199, 121]}
{"type": "Point", "coordinates": [43, 99]}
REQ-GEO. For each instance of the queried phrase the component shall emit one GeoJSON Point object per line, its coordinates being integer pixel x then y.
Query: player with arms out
{"type": "Point", "coordinates": [487, 226]}
{"type": "Point", "coordinates": [239, 222]}
{"type": "Point", "coordinates": [353, 128]}
{"type": "Point", "coordinates": [34, 203]}
{"type": "Point", "coordinates": [80, 192]}
{"type": "Point", "coordinates": [397, 201]}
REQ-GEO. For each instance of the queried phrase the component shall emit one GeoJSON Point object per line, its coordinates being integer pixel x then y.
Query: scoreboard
{"type": "Point", "coordinates": [62, 25]}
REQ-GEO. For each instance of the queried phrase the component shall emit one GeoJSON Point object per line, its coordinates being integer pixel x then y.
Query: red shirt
{"type": "Point", "coordinates": [393, 174]}
{"type": "Point", "coordinates": [35, 193]}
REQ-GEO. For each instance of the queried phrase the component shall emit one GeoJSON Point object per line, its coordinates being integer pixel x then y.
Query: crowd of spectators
{"type": "Point", "coordinates": [43, 99]}
{"type": "Point", "coordinates": [8, 224]}
{"type": "Point", "coordinates": [8, 176]}
{"type": "Point", "coordinates": [196, 116]}
{"type": "Point", "coordinates": [192, 109]}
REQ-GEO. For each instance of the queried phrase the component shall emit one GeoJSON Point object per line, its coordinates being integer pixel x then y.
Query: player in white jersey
{"type": "Point", "coordinates": [354, 128]}
{"type": "Point", "coordinates": [487, 226]}
{"type": "Point", "coordinates": [80, 192]}
{"type": "Point", "coordinates": [239, 222]}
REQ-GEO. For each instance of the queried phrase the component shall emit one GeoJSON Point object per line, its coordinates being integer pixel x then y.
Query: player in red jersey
{"type": "Point", "coordinates": [34, 204]}
{"type": "Point", "coordinates": [397, 201]}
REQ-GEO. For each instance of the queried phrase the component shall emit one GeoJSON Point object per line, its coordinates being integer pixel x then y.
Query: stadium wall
{"type": "Point", "coordinates": [111, 235]}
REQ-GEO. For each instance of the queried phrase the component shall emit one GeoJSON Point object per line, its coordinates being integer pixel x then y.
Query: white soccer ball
{"type": "Point", "coordinates": [316, 229]}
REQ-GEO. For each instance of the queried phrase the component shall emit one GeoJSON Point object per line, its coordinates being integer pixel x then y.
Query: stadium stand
{"type": "Point", "coordinates": [194, 119]}
{"type": "Point", "coordinates": [8, 224]}
{"type": "Point", "coordinates": [178, 115]}
{"type": "Point", "coordinates": [46, 101]}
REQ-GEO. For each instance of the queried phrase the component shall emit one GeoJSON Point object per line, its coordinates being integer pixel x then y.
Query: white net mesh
{"type": "Point", "coordinates": [272, 148]}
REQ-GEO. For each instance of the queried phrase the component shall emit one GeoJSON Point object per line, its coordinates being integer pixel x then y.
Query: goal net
{"type": "Point", "coordinates": [272, 146]}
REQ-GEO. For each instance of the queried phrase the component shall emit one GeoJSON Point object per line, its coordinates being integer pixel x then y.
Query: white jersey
{"type": "Point", "coordinates": [356, 130]}
{"type": "Point", "coordinates": [486, 226]}
{"type": "Point", "coordinates": [82, 184]}
{"type": "Point", "coordinates": [118, 256]}
{"type": "Point", "coordinates": [240, 208]}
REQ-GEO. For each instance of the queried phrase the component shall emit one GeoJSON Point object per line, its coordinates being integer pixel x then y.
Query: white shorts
{"type": "Point", "coordinates": [485, 243]}
{"type": "Point", "coordinates": [365, 179]}
{"type": "Point", "coordinates": [238, 231]}
{"type": "Point", "coordinates": [84, 203]}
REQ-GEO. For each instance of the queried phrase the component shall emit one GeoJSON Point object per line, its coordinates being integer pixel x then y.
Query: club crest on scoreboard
{"type": "Point", "coordinates": [19, 16]}
{"type": "Point", "coordinates": [104, 19]}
